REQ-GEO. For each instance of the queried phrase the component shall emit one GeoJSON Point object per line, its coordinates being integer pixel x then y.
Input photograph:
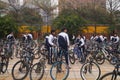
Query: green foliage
{"type": "Point", "coordinates": [31, 17]}
{"type": "Point", "coordinates": [70, 20]}
{"type": "Point", "coordinates": [95, 16]}
{"type": "Point", "coordinates": [7, 25]}
{"type": "Point", "coordinates": [117, 16]}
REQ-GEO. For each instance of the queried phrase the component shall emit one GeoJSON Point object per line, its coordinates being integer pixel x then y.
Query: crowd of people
{"type": "Point", "coordinates": [79, 42]}
{"type": "Point", "coordinates": [62, 40]}
{"type": "Point", "coordinates": [25, 38]}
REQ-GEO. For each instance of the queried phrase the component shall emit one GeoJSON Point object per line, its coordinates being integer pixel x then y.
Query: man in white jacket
{"type": "Point", "coordinates": [64, 43]}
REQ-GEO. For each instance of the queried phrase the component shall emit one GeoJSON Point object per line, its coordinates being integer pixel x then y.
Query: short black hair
{"type": "Point", "coordinates": [63, 29]}
{"type": "Point", "coordinates": [52, 31]}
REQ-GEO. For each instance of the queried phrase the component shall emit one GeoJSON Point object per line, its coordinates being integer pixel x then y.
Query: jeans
{"type": "Point", "coordinates": [77, 51]}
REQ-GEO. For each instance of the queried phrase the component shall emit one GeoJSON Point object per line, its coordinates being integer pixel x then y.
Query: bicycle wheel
{"type": "Point", "coordinates": [37, 72]}
{"type": "Point", "coordinates": [113, 60]}
{"type": "Point", "coordinates": [72, 58]}
{"type": "Point", "coordinates": [37, 54]}
{"type": "Point", "coordinates": [59, 71]}
{"type": "Point", "coordinates": [100, 58]}
{"type": "Point", "coordinates": [5, 65]}
{"type": "Point", "coordinates": [33, 44]}
{"type": "Point", "coordinates": [110, 76]}
{"type": "Point", "coordinates": [20, 70]}
{"type": "Point", "coordinates": [90, 69]}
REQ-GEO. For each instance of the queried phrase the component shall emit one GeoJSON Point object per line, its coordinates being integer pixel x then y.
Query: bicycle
{"type": "Point", "coordinates": [4, 61]}
{"type": "Point", "coordinates": [114, 75]}
{"type": "Point", "coordinates": [90, 68]}
{"type": "Point", "coordinates": [71, 56]}
{"type": "Point", "coordinates": [38, 69]}
{"type": "Point", "coordinates": [4, 58]}
{"type": "Point", "coordinates": [59, 70]}
{"type": "Point", "coordinates": [108, 53]}
{"type": "Point", "coordinates": [21, 68]}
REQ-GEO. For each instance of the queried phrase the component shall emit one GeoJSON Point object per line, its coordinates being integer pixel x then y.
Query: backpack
{"type": "Point", "coordinates": [10, 38]}
{"type": "Point", "coordinates": [62, 42]}
{"type": "Point", "coordinates": [47, 43]}
{"type": "Point", "coordinates": [99, 40]}
{"type": "Point", "coordinates": [114, 39]}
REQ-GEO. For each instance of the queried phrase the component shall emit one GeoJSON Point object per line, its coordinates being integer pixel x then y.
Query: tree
{"type": "Point", "coordinates": [117, 15]}
{"type": "Point", "coordinates": [113, 6]}
{"type": "Point", "coordinates": [7, 25]}
{"type": "Point", "coordinates": [16, 7]}
{"type": "Point", "coordinates": [31, 17]}
{"type": "Point", "coordinates": [47, 8]}
{"type": "Point", "coordinates": [71, 20]}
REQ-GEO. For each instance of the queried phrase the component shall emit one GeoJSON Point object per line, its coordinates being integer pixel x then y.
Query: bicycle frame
{"type": "Point", "coordinates": [116, 72]}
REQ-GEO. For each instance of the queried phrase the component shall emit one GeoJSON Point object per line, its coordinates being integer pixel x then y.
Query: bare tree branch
{"type": "Point", "coordinates": [113, 5]}
{"type": "Point", "coordinates": [17, 4]}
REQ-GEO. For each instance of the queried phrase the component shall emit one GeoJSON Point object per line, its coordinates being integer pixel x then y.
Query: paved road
{"type": "Point", "coordinates": [74, 71]}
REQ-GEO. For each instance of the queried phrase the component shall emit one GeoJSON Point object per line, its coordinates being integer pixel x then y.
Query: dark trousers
{"type": "Point", "coordinates": [49, 54]}
{"type": "Point", "coordinates": [66, 57]}
{"type": "Point", "coordinates": [65, 54]}
{"type": "Point", "coordinates": [83, 55]}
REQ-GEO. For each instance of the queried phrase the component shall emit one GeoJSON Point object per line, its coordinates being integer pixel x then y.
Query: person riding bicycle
{"type": "Point", "coordinates": [49, 45]}
{"type": "Point", "coordinates": [64, 43]}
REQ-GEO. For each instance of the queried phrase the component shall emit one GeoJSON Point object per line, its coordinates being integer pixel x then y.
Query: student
{"type": "Point", "coordinates": [64, 43]}
{"type": "Point", "coordinates": [49, 45]}
{"type": "Point", "coordinates": [115, 38]}
{"type": "Point", "coordinates": [11, 41]}
{"type": "Point", "coordinates": [10, 37]}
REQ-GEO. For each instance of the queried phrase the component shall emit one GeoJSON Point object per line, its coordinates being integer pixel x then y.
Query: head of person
{"type": "Point", "coordinates": [94, 35]}
{"type": "Point", "coordinates": [81, 36]}
{"type": "Point", "coordinates": [64, 30]}
{"type": "Point", "coordinates": [115, 34]}
{"type": "Point", "coordinates": [53, 32]}
{"type": "Point", "coordinates": [78, 35]}
{"type": "Point", "coordinates": [11, 33]}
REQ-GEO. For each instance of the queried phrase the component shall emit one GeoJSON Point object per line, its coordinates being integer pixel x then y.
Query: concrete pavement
{"type": "Point", "coordinates": [73, 75]}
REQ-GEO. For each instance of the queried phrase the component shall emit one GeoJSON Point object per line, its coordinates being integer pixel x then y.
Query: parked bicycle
{"type": "Point", "coordinates": [90, 68]}
{"type": "Point", "coordinates": [4, 61]}
{"type": "Point", "coordinates": [59, 70]}
{"type": "Point", "coordinates": [21, 68]}
{"type": "Point", "coordinates": [4, 57]}
{"type": "Point", "coordinates": [38, 69]}
{"type": "Point", "coordinates": [114, 75]}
